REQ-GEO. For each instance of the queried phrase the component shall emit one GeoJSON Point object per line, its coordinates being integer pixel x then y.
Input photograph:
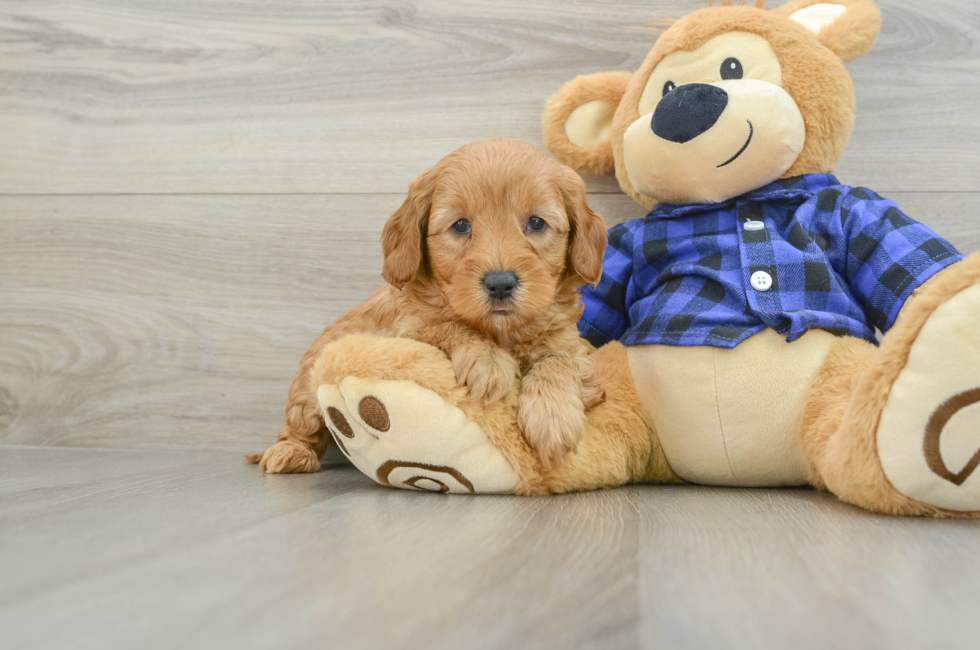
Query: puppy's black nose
{"type": "Point", "coordinates": [500, 284]}
{"type": "Point", "coordinates": [688, 111]}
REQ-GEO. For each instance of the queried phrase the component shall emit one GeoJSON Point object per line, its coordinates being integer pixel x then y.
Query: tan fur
{"type": "Point", "coordinates": [436, 294]}
{"type": "Point", "coordinates": [360, 356]}
{"type": "Point", "coordinates": [558, 403]}
{"type": "Point", "coordinates": [828, 398]}
{"type": "Point", "coordinates": [604, 86]}
{"type": "Point", "coordinates": [849, 37]}
{"type": "Point", "coordinates": [619, 443]}
{"type": "Point", "coordinates": [813, 74]}
{"type": "Point", "coordinates": [844, 405]}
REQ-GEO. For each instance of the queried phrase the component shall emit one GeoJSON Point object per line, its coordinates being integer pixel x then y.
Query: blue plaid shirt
{"type": "Point", "coordinates": [841, 259]}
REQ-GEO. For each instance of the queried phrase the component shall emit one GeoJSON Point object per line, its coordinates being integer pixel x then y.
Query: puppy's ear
{"type": "Point", "coordinates": [404, 232]}
{"type": "Point", "coordinates": [578, 120]}
{"type": "Point", "coordinates": [849, 28]}
{"type": "Point", "coordinates": [587, 236]}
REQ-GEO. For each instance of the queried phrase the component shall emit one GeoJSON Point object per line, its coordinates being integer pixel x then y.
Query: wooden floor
{"type": "Point", "coordinates": [190, 191]}
{"type": "Point", "coordinates": [177, 549]}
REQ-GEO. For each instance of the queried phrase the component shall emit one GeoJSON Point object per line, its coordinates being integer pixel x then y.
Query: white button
{"type": "Point", "coordinates": [761, 281]}
{"type": "Point", "coordinates": [754, 225]}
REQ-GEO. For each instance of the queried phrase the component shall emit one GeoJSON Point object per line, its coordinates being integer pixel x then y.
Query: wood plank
{"type": "Point", "coordinates": [138, 96]}
{"type": "Point", "coordinates": [171, 310]}
{"type": "Point", "coordinates": [111, 549]}
{"type": "Point", "coordinates": [156, 321]}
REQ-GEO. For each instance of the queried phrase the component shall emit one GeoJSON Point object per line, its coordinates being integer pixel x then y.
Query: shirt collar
{"type": "Point", "coordinates": [783, 190]}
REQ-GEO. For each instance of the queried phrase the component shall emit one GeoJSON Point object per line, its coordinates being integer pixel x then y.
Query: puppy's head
{"type": "Point", "coordinates": [500, 230]}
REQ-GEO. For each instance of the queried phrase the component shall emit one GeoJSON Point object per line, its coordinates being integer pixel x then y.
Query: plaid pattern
{"type": "Point", "coordinates": [842, 259]}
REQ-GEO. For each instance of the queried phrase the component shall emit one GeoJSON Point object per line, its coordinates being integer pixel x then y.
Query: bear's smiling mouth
{"type": "Point", "coordinates": [740, 151]}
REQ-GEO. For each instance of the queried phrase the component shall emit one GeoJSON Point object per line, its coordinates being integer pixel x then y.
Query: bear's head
{"type": "Point", "coordinates": [729, 99]}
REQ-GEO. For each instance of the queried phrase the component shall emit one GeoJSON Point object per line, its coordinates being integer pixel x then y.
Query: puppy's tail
{"type": "Point", "coordinates": [254, 459]}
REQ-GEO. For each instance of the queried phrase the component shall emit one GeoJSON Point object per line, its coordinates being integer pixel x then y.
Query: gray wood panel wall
{"type": "Point", "coordinates": [191, 190]}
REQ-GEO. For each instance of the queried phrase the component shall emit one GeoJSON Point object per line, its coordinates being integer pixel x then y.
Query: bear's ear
{"type": "Point", "coordinates": [849, 28]}
{"type": "Point", "coordinates": [578, 120]}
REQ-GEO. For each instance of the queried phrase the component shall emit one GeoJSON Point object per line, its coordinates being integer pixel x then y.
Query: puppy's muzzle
{"type": "Point", "coordinates": [500, 285]}
{"type": "Point", "coordinates": [688, 111]}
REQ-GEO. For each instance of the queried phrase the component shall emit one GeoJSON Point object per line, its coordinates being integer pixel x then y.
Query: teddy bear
{"type": "Point", "coordinates": [735, 326]}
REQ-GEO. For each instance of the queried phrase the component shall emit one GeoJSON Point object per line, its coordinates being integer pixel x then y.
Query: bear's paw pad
{"type": "Point", "coordinates": [929, 434]}
{"type": "Point", "coordinates": [405, 436]}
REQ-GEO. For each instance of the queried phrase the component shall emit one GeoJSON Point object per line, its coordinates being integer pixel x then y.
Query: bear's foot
{"type": "Point", "coordinates": [897, 429]}
{"type": "Point", "coordinates": [928, 437]}
{"type": "Point", "coordinates": [405, 436]}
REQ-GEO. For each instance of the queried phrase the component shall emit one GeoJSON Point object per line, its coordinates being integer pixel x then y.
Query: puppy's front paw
{"type": "Point", "coordinates": [487, 372]}
{"type": "Point", "coordinates": [552, 424]}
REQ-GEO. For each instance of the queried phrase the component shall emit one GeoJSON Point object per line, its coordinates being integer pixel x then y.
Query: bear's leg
{"type": "Point", "coordinates": [897, 429]}
{"type": "Point", "coordinates": [394, 407]}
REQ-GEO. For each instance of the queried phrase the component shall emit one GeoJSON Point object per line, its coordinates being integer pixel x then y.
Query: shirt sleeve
{"type": "Point", "coordinates": [888, 254]}
{"type": "Point", "coordinates": [606, 305]}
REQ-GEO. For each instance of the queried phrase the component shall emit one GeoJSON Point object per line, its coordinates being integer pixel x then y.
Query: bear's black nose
{"type": "Point", "coordinates": [688, 111]}
{"type": "Point", "coordinates": [500, 284]}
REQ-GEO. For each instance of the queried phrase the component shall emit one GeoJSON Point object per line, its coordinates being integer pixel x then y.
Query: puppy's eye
{"type": "Point", "coordinates": [462, 227]}
{"type": "Point", "coordinates": [731, 68]}
{"type": "Point", "coordinates": [670, 85]}
{"type": "Point", "coordinates": [536, 224]}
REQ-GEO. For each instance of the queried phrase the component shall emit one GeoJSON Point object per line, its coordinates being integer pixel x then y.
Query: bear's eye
{"type": "Point", "coordinates": [731, 68]}
{"type": "Point", "coordinates": [462, 227]}
{"type": "Point", "coordinates": [668, 87]}
{"type": "Point", "coordinates": [536, 224]}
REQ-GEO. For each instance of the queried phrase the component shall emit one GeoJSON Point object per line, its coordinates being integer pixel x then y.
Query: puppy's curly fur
{"type": "Point", "coordinates": [467, 216]}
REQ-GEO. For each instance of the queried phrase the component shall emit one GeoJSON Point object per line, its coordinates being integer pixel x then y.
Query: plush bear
{"type": "Point", "coordinates": [735, 325]}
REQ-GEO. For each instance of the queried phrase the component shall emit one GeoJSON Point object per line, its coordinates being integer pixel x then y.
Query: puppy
{"type": "Point", "coordinates": [483, 260]}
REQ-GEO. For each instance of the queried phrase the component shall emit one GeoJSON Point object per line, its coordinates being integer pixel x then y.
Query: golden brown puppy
{"type": "Point", "coordinates": [483, 260]}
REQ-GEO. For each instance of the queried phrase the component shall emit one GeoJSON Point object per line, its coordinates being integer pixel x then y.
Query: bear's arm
{"type": "Point", "coordinates": [606, 314]}
{"type": "Point", "coordinates": [884, 254]}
